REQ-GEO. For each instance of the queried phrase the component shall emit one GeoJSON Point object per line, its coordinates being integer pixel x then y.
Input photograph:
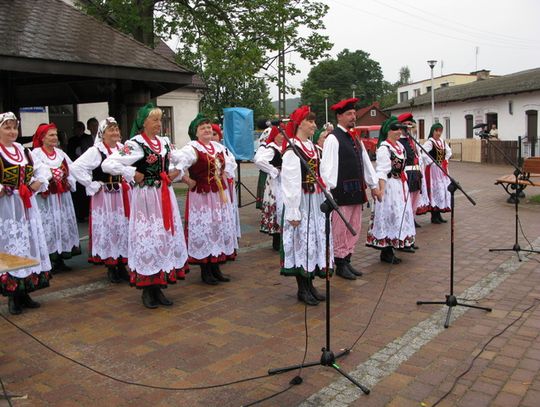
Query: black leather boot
{"type": "Point", "coordinates": [441, 218]}
{"type": "Point", "coordinates": [14, 304]}
{"type": "Point", "coordinates": [350, 267]}
{"type": "Point", "coordinates": [388, 256]}
{"type": "Point", "coordinates": [160, 297]}
{"type": "Point", "coordinates": [28, 302]}
{"type": "Point", "coordinates": [217, 274]}
{"type": "Point", "coordinates": [148, 298]}
{"type": "Point", "coordinates": [434, 218]}
{"type": "Point", "coordinates": [276, 240]}
{"type": "Point", "coordinates": [112, 273]}
{"type": "Point", "coordinates": [342, 270]}
{"type": "Point", "coordinates": [61, 266]}
{"type": "Point", "coordinates": [206, 275]}
{"type": "Point", "coordinates": [314, 292]}
{"type": "Point", "coordinates": [304, 294]}
{"type": "Point", "coordinates": [122, 272]}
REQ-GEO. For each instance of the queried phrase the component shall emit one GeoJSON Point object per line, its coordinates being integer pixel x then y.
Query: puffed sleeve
{"type": "Point", "coordinates": [42, 172]}
{"type": "Point", "coordinates": [428, 146]}
{"type": "Point", "coordinates": [230, 164]}
{"type": "Point", "coordinates": [370, 175]}
{"type": "Point", "coordinates": [71, 178]}
{"type": "Point", "coordinates": [120, 162]}
{"type": "Point", "coordinates": [330, 161]}
{"type": "Point", "coordinates": [291, 185]}
{"type": "Point", "coordinates": [262, 159]}
{"type": "Point", "coordinates": [82, 170]}
{"type": "Point", "coordinates": [447, 151]}
{"type": "Point", "coordinates": [175, 158]}
{"type": "Point", "coordinates": [384, 165]}
{"type": "Point", "coordinates": [187, 157]}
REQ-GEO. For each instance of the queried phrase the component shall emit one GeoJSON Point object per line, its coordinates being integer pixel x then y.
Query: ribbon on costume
{"type": "Point", "coordinates": [125, 198]}
{"type": "Point", "coordinates": [25, 193]}
{"type": "Point", "coordinates": [168, 221]}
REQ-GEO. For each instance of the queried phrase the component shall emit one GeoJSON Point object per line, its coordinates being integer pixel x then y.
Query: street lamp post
{"type": "Point", "coordinates": [431, 64]}
{"type": "Point", "coordinates": [326, 106]}
{"type": "Point", "coordinates": [353, 87]}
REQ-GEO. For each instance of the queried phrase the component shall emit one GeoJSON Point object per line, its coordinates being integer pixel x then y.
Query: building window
{"type": "Point", "coordinates": [403, 96]}
{"type": "Point", "coordinates": [167, 123]}
{"type": "Point", "coordinates": [428, 89]}
{"type": "Point", "coordinates": [436, 120]}
{"type": "Point", "coordinates": [417, 92]}
{"type": "Point", "coordinates": [510, 107]}
{"type": "Point", "coordinates": [444, 85]}
{"type": "Point", "coordinates": [469, 126]}
{"type": "Point", "coordinates": [447, 127]}
{"type": "Point", "coordinates": [373, 113]}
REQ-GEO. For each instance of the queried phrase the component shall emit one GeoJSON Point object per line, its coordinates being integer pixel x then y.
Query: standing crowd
{"type": "Point", "coordinates": [135, 227]}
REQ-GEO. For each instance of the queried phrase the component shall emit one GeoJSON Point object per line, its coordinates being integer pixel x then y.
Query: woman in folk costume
{"type": "Point", "coordinates": [210, 224]}
{"type": "Point", "coordinates": [217, 136]}
{"type": "Point", "coordinates": [261, 180]}
{"type": "Point", "coordinates": [268, 159]}
{"type": "Point", "coordinates": [55, 203]}
{"type": "Point", "coordinates": [157, 254]}
{"type": "Point", "coordinates": [303, 253]}
{"type": "Point", "coordinates": [413, 167]}
{"type": "Point", "coordinates": [437, 182]}
{"type": "Point", "coordinates": [392, 220]}
{"type": "Point", "coordinates": [20, 221]}
{"type": "Point", "coordinates": [109, 202]}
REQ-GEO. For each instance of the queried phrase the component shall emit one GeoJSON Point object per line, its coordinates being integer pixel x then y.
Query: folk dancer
{"type": "Point", "coordinates": [268, 160]}
{"type": "Point", "coordinates": [347, 171]}
{"type": "Point", "coordinates": [55, 203]}
{"type": "Point", "coordinates": [157, 254]}
{"type": "Point", "coordinates": [109, 203]}
{"type": "Point", "coordinates": [392, 219]}
{"type": "Point", "coordinates": [20, 220]}
{"type": "Point", "coordinates": [303, 236]}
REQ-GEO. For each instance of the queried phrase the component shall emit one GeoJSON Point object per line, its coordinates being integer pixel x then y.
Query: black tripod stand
{"type": "Point", "coordinates": [517, 188]}
{"type": "Point", "coordinates": [239, 185]}
{"type": "Point", "coordinates": [451, 300]}
{"type": "Point", "coordinates": [328, 358]}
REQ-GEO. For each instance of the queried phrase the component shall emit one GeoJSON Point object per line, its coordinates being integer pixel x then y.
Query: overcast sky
{"type": "Point", "coordinates": [409, 32]}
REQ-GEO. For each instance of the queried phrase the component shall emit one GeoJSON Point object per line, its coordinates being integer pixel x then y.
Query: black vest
{"type": "Point", "coordinates": [436, 153]}
{"type": "Point", "coordinates": [277, 159]}
{"type": "Point", "coordinates": [110, 182]}
{"type": "Point", "coordinates": [152, 164]}
{"type": "Point", "coordinates": [351, 185]}
{"type": "Point", "coordinates": [13, 175]}
{"type": "Point", "coordinates": [414, 177]}
{"type": "Point", "coordinates": [410, 153]}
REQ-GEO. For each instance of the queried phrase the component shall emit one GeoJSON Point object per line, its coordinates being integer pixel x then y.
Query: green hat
{"type": "Point", "coordinates": [433, 128]}
{"type": "Point", "coordinates": [192, 130]}
{"type": "Point", "coordinates": [385, 128]}
{"type": "Point", "coordinates": [142, 114]}
{"type": "Point", "coordinates": [317, 134]}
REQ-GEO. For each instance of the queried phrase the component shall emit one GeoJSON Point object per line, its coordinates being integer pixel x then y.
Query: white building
{"type": "Point", "coordinates": [511, 102]}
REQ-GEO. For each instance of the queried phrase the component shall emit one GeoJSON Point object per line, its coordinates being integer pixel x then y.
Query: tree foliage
{"type": "Point", "coordinates": [232, 44]}
{"type": "Point", "coordinates": [332, 78]}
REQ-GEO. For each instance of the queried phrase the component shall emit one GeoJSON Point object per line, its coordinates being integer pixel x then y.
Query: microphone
{"type": "Point", "coordinates": [399, 126]}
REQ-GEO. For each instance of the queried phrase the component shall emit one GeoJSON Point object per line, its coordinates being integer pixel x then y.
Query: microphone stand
{"type": "Point", "coordinates": [451, 300]}
{"type": "Point", "coordinates": [514, 196]}
{"type": "Point", "coordinates": [328, 358]}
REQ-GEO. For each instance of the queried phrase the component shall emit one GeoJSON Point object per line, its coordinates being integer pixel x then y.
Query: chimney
{"type": "Point", "coordinates": [481, 74]}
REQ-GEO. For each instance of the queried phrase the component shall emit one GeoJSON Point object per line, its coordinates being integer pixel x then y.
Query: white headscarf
{"type": "Point", "coordinates": [4, 117]}
{"type": "Point", "coordinates": [103, 125]}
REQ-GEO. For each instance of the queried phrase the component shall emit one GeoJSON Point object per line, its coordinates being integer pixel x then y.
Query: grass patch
{"type": "Point", "coordinates": [535, 199]}
{"type": "Point", "coordinates": [180, 190]}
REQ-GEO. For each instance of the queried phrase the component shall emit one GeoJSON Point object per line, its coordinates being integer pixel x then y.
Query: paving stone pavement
{"type": "Point", "coordinates": [214, 335]}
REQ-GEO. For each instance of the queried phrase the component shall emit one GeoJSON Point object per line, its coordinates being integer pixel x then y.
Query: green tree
{"type": "Point", "coordinates": [335, 77]}
{"type": "Point", "coordinates": [232, 44]}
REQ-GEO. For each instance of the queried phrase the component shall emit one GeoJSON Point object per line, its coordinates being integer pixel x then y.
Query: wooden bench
{"type": "Point", "coordinates": [530, 177]}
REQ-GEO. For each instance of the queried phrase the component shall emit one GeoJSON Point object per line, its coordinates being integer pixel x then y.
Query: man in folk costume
{"type": "Point", "coordinates": [437, 181]}
{"type": "Point", "coordinates": [268, 160]}
{"type": "Point", "coordinates": [55, 204]}
{"type": "Point", "coordinates": [303, 253]}
{"type": "Point", "coordinates": [413, 167]}
{"type": "Point", "coordinates": [157, 254]}
{"type": "Point", "coordinates": [211, 233]}
{"type": "Point", "coordinates": [347, 171]}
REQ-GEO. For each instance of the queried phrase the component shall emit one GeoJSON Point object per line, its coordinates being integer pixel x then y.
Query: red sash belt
{"type": "Point", "coordinates": [168, 220]}
{"type": "Point", "coordinates": [25, 193]}
{"type": "Point", "coordinates": [125, 198]}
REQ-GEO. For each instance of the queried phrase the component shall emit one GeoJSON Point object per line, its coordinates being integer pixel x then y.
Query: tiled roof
{"type": "Point", "coordinates": [54, 31]}
{"type": "Point", "coordinates": [519, 82]}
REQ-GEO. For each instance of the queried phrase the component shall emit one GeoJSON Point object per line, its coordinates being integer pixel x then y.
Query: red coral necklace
{"type": "Point", "coordinates": [49, 155]}
{"type": "Point", "coordinates": [210, 149]}
{"type": "Point", "coordinates": [155, 145]}
{"type": "Point", "coordinates": [17, 156]}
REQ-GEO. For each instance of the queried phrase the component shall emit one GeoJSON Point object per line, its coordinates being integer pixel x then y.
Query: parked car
{"type": "Point", "coordinates": [369, 136]}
